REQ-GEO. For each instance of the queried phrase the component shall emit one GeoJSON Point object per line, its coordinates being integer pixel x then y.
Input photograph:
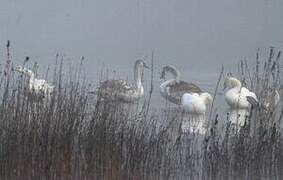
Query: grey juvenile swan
{"type": "Point", "coordinates": [122, 90]}
{"type": "Point", "coordinates": [173, 89]}
{"type": "Point", "coordinates": [189, 96]}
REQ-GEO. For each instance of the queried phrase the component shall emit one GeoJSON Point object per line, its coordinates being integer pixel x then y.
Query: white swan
{"type": "Point", "coordinates": [38, 87]}
{"type": "Point", "coordinates": [122, 90]}
{"type": "Point", "coordinates": [173, 89]}
{"type": "Point", "coordinates": [195, 105]}
{"type": "Point", "coordinates": [240, 100]}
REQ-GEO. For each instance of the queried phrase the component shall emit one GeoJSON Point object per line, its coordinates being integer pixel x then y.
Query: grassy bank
{"type": "Point", "coordinates": [76, 136]}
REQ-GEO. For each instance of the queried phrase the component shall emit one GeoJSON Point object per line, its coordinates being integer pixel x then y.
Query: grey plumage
{"type": "Point", "coordinates": [176, 90]}
{"type": "Point", "coordinates": [173, 89]}
{"type": "Point", "coordinates": [121, 90]}
{"type": "Point", "coordinates": [254, 102]}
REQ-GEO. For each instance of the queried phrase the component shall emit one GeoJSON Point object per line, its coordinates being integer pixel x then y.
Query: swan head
{"type": "Point", "coordinates": [206, 97]}
{"type": "Point", "coordinates": [23, 70]}
{"type": "Point", "coordinates": [20, 69]}
{"type": "Point", "coordinates": [231, 82]}
{"type": "Point", "coordinates": [170, 69]}
{"type": "Point", "coordinates": [140, 64]}
{"type": "Point", "coordinates": [139, 68]}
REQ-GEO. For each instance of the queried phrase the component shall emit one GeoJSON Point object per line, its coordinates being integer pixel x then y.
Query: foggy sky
{"type": "Point", "coordinates": [195, 35]}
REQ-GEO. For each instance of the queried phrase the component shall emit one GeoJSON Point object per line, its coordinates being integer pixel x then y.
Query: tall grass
{"type": "Point", "coordinates": [76, 136]}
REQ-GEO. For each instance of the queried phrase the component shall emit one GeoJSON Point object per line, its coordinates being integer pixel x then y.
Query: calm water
{"type": "Point", "coordinates": [196, 36]}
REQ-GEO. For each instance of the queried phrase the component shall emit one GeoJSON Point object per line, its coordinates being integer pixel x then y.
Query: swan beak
{"type": "Point", "coordinates": [146, 66]}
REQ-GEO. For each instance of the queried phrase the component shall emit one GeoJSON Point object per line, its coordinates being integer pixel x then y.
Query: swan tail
{"type": "Point", "coordinates": [253, 101]}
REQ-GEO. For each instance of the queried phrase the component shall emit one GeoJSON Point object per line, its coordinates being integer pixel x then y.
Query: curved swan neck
{"type": "Point", "coordinates": [232, 82]}
{"type": "Point", "coordinates": [27, 72]}
{"type": "Point", "coordinates": [138, 74]}
{"type": "Point", "coordinates": [164, 85]}
{"type": "Point", "coordinates": [172, 70]}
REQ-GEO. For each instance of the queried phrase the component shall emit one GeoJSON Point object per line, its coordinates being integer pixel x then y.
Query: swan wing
{"type": "Point", "coordinates": [38, 85]}
{"type": "Point", "coordinates": [240, 98]}
{"type": "Point", "coordinates": [119, 88]}
{"type": "Point", "coordinates": [193, 103]}
{"type": "Point", "coordinates": [185, 87]}
{"type": "Point", "coordinates": [40, 82]}
{"type": "Point", "coordinates": [250, 96]}
{"type": "Point", "coordinates": [177, 90]}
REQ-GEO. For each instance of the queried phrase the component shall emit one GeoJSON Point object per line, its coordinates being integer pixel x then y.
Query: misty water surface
{"type": "Point", "coordinates": [196, 36]}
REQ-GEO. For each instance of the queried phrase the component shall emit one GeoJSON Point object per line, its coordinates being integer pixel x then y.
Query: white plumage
{"type": "Point", "coordinates": [189, 96]}
{"type": "Point", "coordinates": [38, 87]}
{"type": "Point", "coordinates": [239, 99]}
{"type": "Point", "coordinates": [194, 106]}
{"type": "Point", "coordinates": [196, 103]}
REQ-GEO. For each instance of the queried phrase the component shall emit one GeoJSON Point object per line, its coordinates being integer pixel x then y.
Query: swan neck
{"type": "Point", "coordinates": [31, 76]}
{"type": "Point", "coordinates": [233, 82]}
{"type": "Point", "coordinates": [165, 84]}
{"type": "Point", "coordinates": [237, 83]}
{"type": "Point", "coordinates": [173, 71]}
{"type": "Point", "coordinates": [138, 73]}
{"type": "Point", "coordinates": [28, 73]}
{"type": "Point", "coordinates": [177, 75]}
